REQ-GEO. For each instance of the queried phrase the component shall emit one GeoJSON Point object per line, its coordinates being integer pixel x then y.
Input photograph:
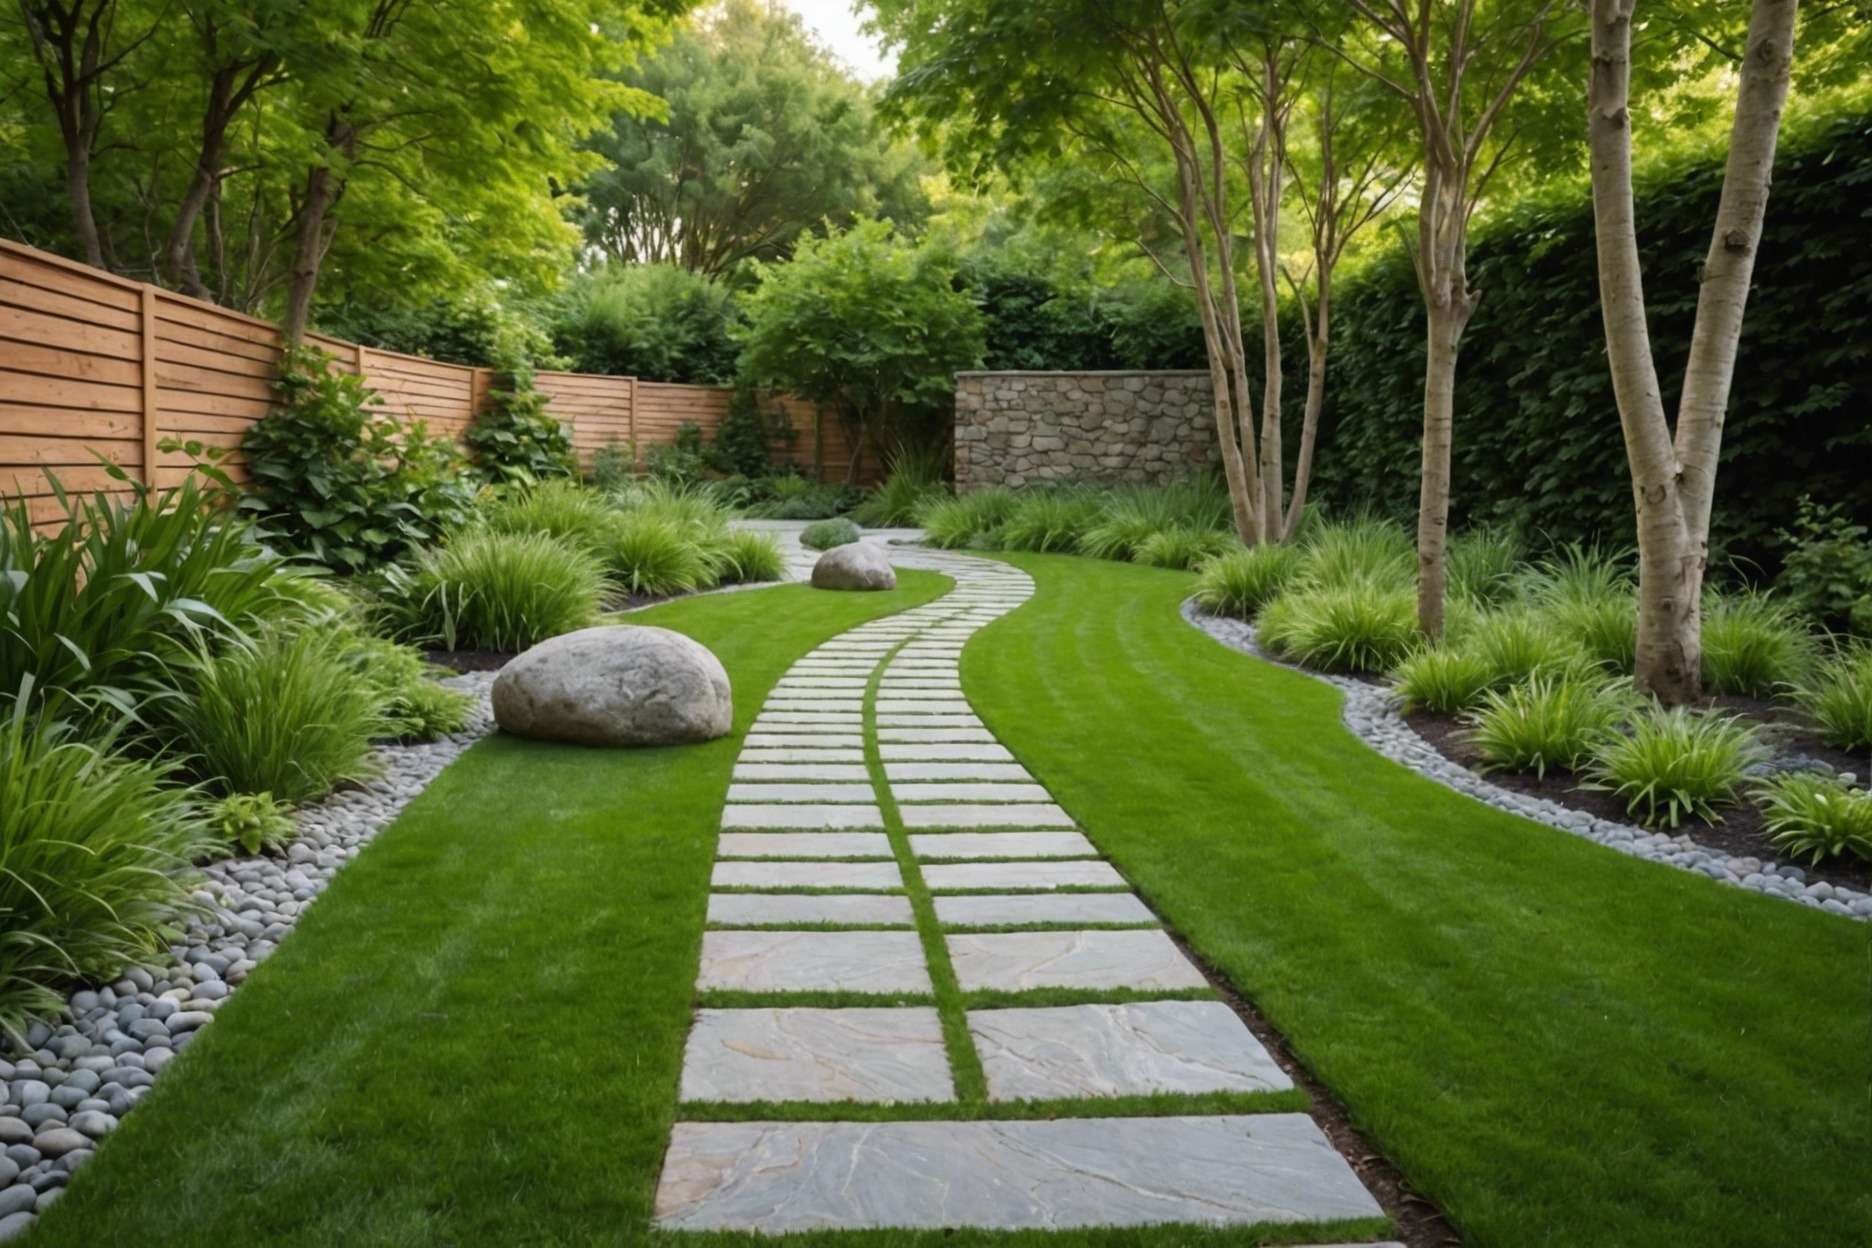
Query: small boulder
{"type": "Point", "coordinates": [860, 565]}
{"type": "Point", "coordinates": [616, 685]}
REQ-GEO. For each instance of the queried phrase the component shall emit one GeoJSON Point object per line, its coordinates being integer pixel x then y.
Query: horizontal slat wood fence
{"type": "Point", "coordinates": [93, 364]}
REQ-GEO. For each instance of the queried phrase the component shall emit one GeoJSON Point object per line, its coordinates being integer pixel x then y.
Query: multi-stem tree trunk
{"type": "Point", "coordinates": [229, 89]}
{"type": "Point", "coordinates": [1674, 476]}
{"type": "Point", "coordinates": [312, 231]}
{"type": "Point", "coordinates": [1442, 270]}
{"type": "Point", "coordinates": [1318, 339]}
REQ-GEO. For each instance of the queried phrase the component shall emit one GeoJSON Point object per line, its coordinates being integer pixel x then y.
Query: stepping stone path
{"type": "Point", "coordinates": [873, 820]}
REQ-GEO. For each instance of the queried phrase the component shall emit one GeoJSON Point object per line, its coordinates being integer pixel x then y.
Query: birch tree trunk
{"type": "Point", "coordinates": [1318, 339]}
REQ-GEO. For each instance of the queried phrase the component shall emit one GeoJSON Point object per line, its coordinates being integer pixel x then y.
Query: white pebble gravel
{"type": "Point", "coordinates": [1371, 712]}
{"type": "Point", "coordinates": [72, 1082]}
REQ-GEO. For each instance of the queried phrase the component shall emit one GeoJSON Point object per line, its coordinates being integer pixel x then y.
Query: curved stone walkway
{"type": "Point", "coordinates": [901, 916]}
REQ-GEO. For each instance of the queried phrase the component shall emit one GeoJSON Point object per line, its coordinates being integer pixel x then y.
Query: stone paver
{"type": "Point", "coordinates": [969, 791]}
{"type": "Point", "coordinates": [804, 909]}
{"type": "Point", "coordinates": [1011, 909]}
{"type": "Point", "coordinates": [740, 792]}
{"type": "Point", "coordinates": [769, 961]}
{"type": "Point", "coordinates": [962, 815]}
{"type": "Point", "coordinates": [868, 1054]}
{"type": "Point", "coordinates": [1093, 960]}
{"type": "Point", "coordinates": [896, 772]}
{"type": "Point", "coordinates": [801, 815]}
{"type": "Point", "coordinates": [802, 755]}
{"type": "Point", "coordinates": [1021, 876]}
{"type": "Point", "coordinates": [800, 771]}
{"type": "Point", "coordinates": [1030, 1175]}
{"type": "Point", "coordinates": [974, 845]}
{"type": "Point", "coordinates": [867, 876]}
{"type": "Point", "coordinates": [1120, 1050]}
{"type": "Point", "coordinates": [944, 754]}
{"type": "Point", "coordinates": [803, 845]}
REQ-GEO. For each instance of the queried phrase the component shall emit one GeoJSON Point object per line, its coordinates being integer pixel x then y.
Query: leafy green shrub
{"type": "Point", "coordinates": [1753, 644]}
{"type": "Point", "coordinates": [250, 822]}
{"type": "Point", "coordinates": [1052, 519]}
{"type": "Point", "coordinates": [1838, 697]}
{"type": "Point", "coordinates": [1828, 569]}
{"type": "Point", "coordinates": [1482, 564]}
{"type": "Point", "coordinates": [1355, 628]}
{"type": "Point", "coordinates": [558, 508]}
{"type": "Point", "coordinates": [285, 715]}
{"type": "Point", "coordinates": [1550, 720]}
{"type": "Point", "coordinates": [750, 556]}
{"type": "Point", "coordinates": [98, 608]}
{"type": "Point", "coordinates": [654, 553]}
{"type": "Point", "coordinates": [1443, 678]}
{"type": "Point", "coordinates": [789, 497]}
{"type": "Point", "coordinates": [1674, 762]}
{"type": "Point", "coordinates": [349, 487]}
{"type": "Point", "coordinates": [1240, 582]}
{"type": "Point", "coordinates": [514, 438]}
{"type": "Point", "coordinates": [1363, 551]}
{"type": "Point", "coordinates": [614, 465]}
{"type": "Point", "coordinates": [829, 533]}
{"type": "Point", "coordinates": [1131, 515]}
{"type": "Point", "coordinates": [683, 461]}
{"type": "Point", "coordinates": [1819, 816]}
{"type": "Point", "coordinates": [660, 322]}
{"type": "Point", "coordinates": [91, 852]}
{"type": "Point", "coordinates": [413, 706]}
{"type": "Point", "coordinates": [915, 474]}
{"type": "Point", "coordinates": [972, 519]}
{"type": "Point", "coordinates": [1184, 548]}
{"type": "Point", "coordinates": [496, 591]}
{"type": "Point", "coordinates": [1518, 644]}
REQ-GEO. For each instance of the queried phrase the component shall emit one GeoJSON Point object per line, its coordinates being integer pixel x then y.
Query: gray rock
{"type": "Point", "coordinates": [9, 1171]}
{"type": "Point", "coordinates": [858, 565]}
{"type": "Point", "coordinates": [14, 1131]}
{"type": "Point", "coordinates": [94, 1124]}
{"type": "Point", "coordinates": [20, 1197]}
{"type": "Point", "coordinates": [36, 1116]}
{"type": "Point", "coordinates": [59, 1141]}
{"type": "Point", "coordinates": [15, 1225]}
{"type": "Point", "coordinates": [23, 1155]}
{"type": "Point", "coordinates": [47, 1199]}
{"type": "Point", "coordinates": [618, 685]}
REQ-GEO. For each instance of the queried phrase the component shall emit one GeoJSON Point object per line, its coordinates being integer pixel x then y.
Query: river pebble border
{"type": "Point", "coordinates": [66, 1092]}
{"type": "Point", "coordinates": [1371, 712]}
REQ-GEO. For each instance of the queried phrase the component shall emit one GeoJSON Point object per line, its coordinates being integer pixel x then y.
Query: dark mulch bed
{"type": "Point", "coordinates": [469, 660]}
{"type": "Point", "coordinates": [1741, 834]}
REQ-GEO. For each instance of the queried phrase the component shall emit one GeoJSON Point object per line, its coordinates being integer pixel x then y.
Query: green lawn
{"type": "Point", "coordinates": [1559, 1044]}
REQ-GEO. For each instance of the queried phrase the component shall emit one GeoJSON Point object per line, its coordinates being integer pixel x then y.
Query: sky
{"type": "Point", "coordinates": [837, 27]}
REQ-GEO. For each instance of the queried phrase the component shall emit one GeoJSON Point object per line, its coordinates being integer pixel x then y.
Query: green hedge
{"type": "Point", "coordinates": [1537, 432]}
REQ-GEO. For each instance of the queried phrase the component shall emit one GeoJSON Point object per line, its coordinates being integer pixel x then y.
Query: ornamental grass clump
{"type": "Point", "coordinates": [652, 552]}
{"type": "Point", "coordinates": [1838, 698]}
{"type": "Point", "coordinates": [1482, 563]}
{"type": "Point", "coordinates": [1442, 678]}
{"type": "Point", "coordinates": [972, 519]}
{"type": "Point", "coordinates": [287, 714]}
{"type": "Point", "coordinates": [496, 591]}
{"type": "Point", "coordinates": [1183, 548]}
{"type": "Point", "coordinates": [747, 556]}
{"type": "Point", "coordinates": [1753, 645]}
{"type": "Point", "coordinates": [829, 533]}
{"type": "Point", "coordinates": [1052, 519]}
{"type": "Point", "coordinates": [1131, 515]}
{"type": "Point", "coordinates": [1355, 628]}
{"type": "Point", "coordinates": [1241, 582]}
{"type": "Point", "coordinates": [1363, 551]}
{"type": "Point", "coordinates": [1515, 645]}
{"type": "Point", "coordinates": [1670, 763]}
{"type": "Point", "coordinates": [1550, 720]}
{"type": "Point", "coordinates": [915, 475]}
{"type": "Point", "coordinates": [1816, 816]}
{"type": "Point", "coordinates": [558, 507]}
{"type": "Point", "coordinates": [93, 851]}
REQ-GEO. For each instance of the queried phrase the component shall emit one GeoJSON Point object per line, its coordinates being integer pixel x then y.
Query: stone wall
{"type": "Point", "coordinates": [1019, 428]}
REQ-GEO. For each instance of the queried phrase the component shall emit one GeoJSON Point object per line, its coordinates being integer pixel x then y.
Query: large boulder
{"type": "Point", "coordinates": [860, 565]}
{"type": "Point", "coordinates": [617, 685]}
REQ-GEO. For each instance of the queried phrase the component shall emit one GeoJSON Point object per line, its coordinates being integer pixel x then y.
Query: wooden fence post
{"type": "Point", "coordinates": [636, 449]}
{"type": "Point", "coordinates": [151, 408]}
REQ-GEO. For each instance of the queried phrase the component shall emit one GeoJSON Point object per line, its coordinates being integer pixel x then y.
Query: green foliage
{"type": "Point", "coordinates": [514, 438]}
{"type": "Point", "coordinates": [1517, 644]}
{"type": "Point", "coordinates": [92, 848]}
{"type": "Point", "coordinates": [744, 441]}
{"type": "Point", "coordinates": [470, 327]}
{"type": "Point", "coordinates": [914, 475]}
{"type": "Point", "coordinates": [562, 509]}
{"type": "Point", "coordinates": [286, 714]}
{"type": "Point", "coordinates": [1354, 627]}
{"type": "Point", "coordinates": [1534, 400]}
{"type": "Point", "coordinates": [1132, 514]}
{"type": "Point", "coordinates": [972, 519]}
{"type": "Point", "coordinates": [496, 591]}
{"type": "Point", "coordinates": [654, 553]}
{"type": "Point", "coordinates": [1034, 321]}
{"type": "Point", "coordinates": [614, 466]}
{"type": "Point", "coordinates": [1816, 816]}
{"type": "Point", "coordinates": [1482, 563]}
{"type": "Point", "coordinates": [251, 823]}
{"type": "Point", "coordinates": [1670, 763]}
{"type": "Point", "coordinates": [1838, 697]}
{"type": "Point", "coordinates": [348, 487]}
{"type": "Point", "coordinates": [412, 705]}
{"type": "Point", "coordinates": [1241, 582]}
{"type": "Point", "coordinates": [1445, 679]}
{"type": "Point", "coordinates": [865, 322]}
{"type": "Point", "coordinates": [98, 607]}
{"type": "Point", "coordinates": [1753, 645]}
{"type": "Point", "coordinates": [681, 462]}
{"type": "Point", "coordinates": [1049, 519]}
{"type": "Point", "coordinates": [1362, 551]}
{"type": "Point", "coordinates": [1551, 720]}
{"type": "Point", "coordinates": [1184, 548]}
{"type": "Point", "coordinates": [654, 321]}
{"type": "Point", "coordinates": [829, 533]}
{"type": "Point", "coordinates": [1589, 594]}
{"type": "Point", "coordinates": [750, 556]}
{"type": "Point", "coordinates": [790, 497]}
{"type": "Point", "coordinates": [1828, 568]}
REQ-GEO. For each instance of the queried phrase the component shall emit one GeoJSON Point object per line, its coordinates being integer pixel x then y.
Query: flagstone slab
{"type": "Point", "coordinates": [1002, 845]}
{"type": "Point", "coordinates": [765, 961]}
{"type": "Point", "coordinates": [778, 1177]}
{"type": "Point", "coordinates": [802, 754]}
{"type": "Point", "coordinates": [1138, 1049]}
{"type": "Point", "coordinates": [896, 771]}
{"type": "Point", "coordinates": [828, 706]}
{"type": "Point", "coordinates": [863, 876]}
{"type": "Point", "coordinates": [1093, 960]}
{"type": "Point", "coordinates": [777, 909]}
{"type": "Point", "coordinates": [784, 720]}
{"type": "Point", "coordinates": [969, 791]}
{"type": "Point", "coordinates": [934, 704]}
{"type": "Point", "coordinates": [1012, 876]}
{"type": "Point", "coordinates": [840, 727]}
{"type": "Point", "coordinates": [964, 815]}
{"type": "Point", "coordinates": [1009, 909]}
{"type": "Point", "coordinates": [937, 753]}
{"type": "Point", "coordinates": [803, 845]}
{"type": "Point", "coordinates": [804, 740]}
{"type": "Point", "coordinates": [799, 771]}
{"type": "Point", "coordinates": [800, 815]}
{"type": "Point", "coordinates": [801, 793]}
{"type": "Point", "coordinates": [875, 1055]}
{"type": "Point", "coordinates": [929, 719]}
